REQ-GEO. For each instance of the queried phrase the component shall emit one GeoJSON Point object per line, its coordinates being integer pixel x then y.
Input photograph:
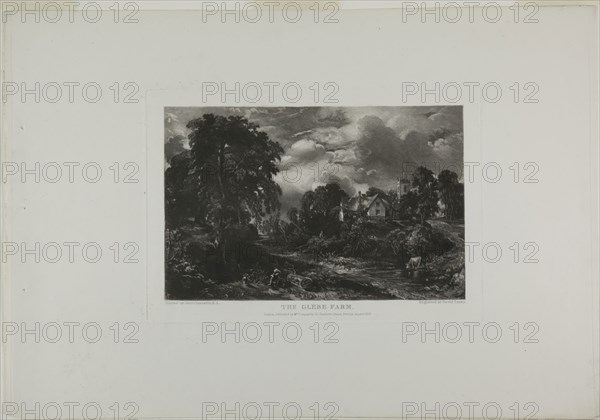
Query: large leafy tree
{"type": "Point", "coordinates": [320, 208]}
{"type": "Point", "coordinates": [423, 179]}
{"type": "Point", "coordinates": [451, 194]}
{"type": "Point", "coordinates": [407, 206]}
{"type": "Point", "coordinates": [426, 184]}
{"type": "Point", "coordinates": [234, 163]}
{"type": "Point", "coordinates": [180, 190]}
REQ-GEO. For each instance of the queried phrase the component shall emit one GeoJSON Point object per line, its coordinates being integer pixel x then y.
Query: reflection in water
{"type": "Point", "coordinates": [399, 279]}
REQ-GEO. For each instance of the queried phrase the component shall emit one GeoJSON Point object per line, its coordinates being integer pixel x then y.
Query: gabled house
{"type": "Point", "coordinates": [373, 206]}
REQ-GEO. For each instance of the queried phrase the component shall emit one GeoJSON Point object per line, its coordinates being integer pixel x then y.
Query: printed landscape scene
{"type": "Point", "coordinates": [314, 203]}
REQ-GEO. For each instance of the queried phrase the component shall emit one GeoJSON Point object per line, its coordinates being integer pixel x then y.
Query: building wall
{"type": "Point", "coordinates": [377, 206]}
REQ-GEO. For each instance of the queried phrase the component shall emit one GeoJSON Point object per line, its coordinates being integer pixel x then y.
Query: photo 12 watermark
{"type": "Point", "coordinates": [268, 410]}
{"type": "Point", "coordinates": [70, 332]}
{"type": "Point", "coordinates": [71, 172]}
{"type": "Point", "coordinates": [254, 12]}
{"type": "Point", "coordinates": [70, 252]}
{"type": "Point", "coordinates": [290, 92]}
{"type": "Point", "coordinates": [468, 410]}
{"type": "Point", "coordinates": [470, 332]}
{"type": "Point", "coordinates": [68, 410]}
{"type": "Point", "coordinates": [270, 332]}
{"type": "Point", "coordinates": [457, 12]}
{"type": "Point", "coordinates": [469, 92]}
{"type": "Point", "coordinates": [52, 92]}
{"type": "Point", "coordinates": [52, 12]}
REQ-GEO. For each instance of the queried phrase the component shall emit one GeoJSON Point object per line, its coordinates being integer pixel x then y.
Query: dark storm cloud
{"type": "Point", "coordinates": [380, 148]}
{"type": "Point", "coordinates": [282, 124]}
{"type": "Point", "coordinates": [297, 120]}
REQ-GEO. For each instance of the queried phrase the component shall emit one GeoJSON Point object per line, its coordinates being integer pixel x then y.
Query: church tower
{"type": "Point", "coordinates": [402, 187]}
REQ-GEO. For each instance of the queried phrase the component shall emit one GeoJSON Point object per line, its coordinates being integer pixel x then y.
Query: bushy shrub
{"type": "Point", "coordinates": [321, 246]}
{"type": "Point", "coordinates": [419, 241]}
{"type": "Point", "coordinates": [297, 238]}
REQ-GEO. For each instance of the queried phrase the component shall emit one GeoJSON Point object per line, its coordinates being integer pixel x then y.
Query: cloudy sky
{"type": "Point", "coordinates": [356, 147]}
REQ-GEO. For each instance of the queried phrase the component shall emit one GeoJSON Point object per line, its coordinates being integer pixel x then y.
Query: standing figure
{"type": "Point", "coordinates": [275, 278]}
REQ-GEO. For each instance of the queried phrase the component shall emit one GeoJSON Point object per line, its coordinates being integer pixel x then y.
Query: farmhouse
{"type": "Point", "coordinates": [373, 206]}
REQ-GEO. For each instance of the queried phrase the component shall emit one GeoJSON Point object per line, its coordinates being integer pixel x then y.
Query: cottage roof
{"type": "Point", "coordinates": [373, 199]}
{"type": "Point", "coordinates": [360, 202]}
{"type": "Point", "coordinates": [355, 203]}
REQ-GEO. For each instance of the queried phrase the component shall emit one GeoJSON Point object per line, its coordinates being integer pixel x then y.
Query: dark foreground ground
{"type": "Point", "coordinates": [303, 276]}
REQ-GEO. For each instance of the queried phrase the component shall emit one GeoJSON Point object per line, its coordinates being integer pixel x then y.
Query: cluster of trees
{"type": "Point", "coordinates": [451, 194]}
{"type": "Point", "coordinates": [318, 215]}
{"type": "Point", "coordinates": [317, 227]}
{"type": "Point", "coordinates": [431, 195]}
{"type": "Point", "coordinates": [225, 180]}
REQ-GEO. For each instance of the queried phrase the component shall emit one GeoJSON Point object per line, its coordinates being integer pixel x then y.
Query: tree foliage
{"type": "Point", "coordinates": [180, 190]}
{"type": "Point", "coordinates": [235, 163]}
{"type": "Point", "coordinates": [319, 211]}
{"type": "Point", "coordinates": [451, 194]}
{"type": "Point", "coordinates": [225, 180]}
{"type": "Point", "coordinates": [421, 202]}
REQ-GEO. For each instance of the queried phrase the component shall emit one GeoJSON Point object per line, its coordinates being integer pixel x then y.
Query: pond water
{"type": "Point", "coordinates": [395, 279]}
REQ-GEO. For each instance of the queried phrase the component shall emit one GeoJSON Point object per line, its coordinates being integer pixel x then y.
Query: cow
{"type": "Point", "coordinates": [413, 263]}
